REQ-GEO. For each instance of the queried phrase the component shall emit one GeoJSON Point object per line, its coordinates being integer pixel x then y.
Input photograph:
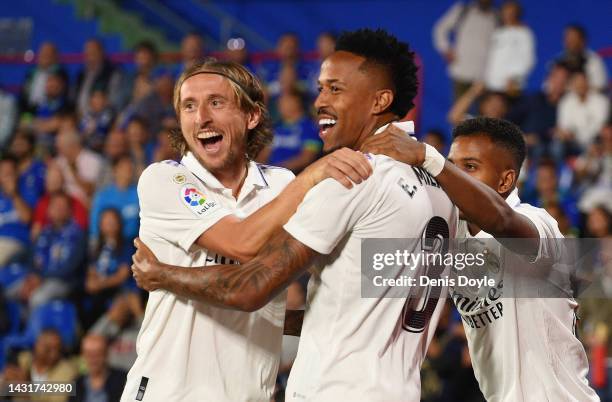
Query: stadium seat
{"type": "Point", "coordinates": [59, 315]}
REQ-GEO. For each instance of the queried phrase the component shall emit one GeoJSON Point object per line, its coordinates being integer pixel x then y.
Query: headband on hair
{"type": "Point", "coordinates": [226, 76]}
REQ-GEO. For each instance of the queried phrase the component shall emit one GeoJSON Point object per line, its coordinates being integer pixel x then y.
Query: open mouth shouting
{"type": "Point", "coordinates": [326, 123]}
{"type": "Point", "coordinates": [210, 141]}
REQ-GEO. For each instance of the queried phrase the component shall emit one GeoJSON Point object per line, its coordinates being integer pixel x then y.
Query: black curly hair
{"type": "Point", "coordinates": [502, 132]}
{"type": "Point", "coordinates": [381, 49]}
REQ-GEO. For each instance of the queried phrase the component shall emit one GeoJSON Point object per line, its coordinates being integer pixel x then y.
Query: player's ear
{"type": "Point", "coordinates": [382, 100]}
{"type": "Point", "coordinates": [253, 118]}
{"type": "Point", "coordinates": [507, 180]}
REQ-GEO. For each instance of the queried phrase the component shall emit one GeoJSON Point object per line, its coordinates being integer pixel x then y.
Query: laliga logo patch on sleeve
{"type": "Point", "coordinates": [195, 200]}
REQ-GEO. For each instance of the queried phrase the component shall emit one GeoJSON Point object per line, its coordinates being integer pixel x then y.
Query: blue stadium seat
{"type": "Point", "coordinates": [59, 315]}
{"type": "Point", "coordinates": [14, 316]}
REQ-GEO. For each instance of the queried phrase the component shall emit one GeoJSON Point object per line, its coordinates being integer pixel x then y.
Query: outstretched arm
{"type": "Point", "coordinates": [246, 287]}
{"type": "Point", "coordinates": [480, 204]}
{"type": "Point", "coordinates": [241, 239]}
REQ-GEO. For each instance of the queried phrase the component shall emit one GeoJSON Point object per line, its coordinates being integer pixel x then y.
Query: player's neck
{"type": "Point", "coordinates": [233, 177]}
{"type": "Point", "coordinates": [374, 125]}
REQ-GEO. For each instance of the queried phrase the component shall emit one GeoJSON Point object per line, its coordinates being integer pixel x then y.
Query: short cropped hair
{"type": "Point", "coordinates": [503, 133]}
{"type": "Point", "coordinates": [381, 49]}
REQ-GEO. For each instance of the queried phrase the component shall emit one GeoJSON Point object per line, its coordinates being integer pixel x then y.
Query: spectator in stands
{"type": "Point", "coordinates": [97, 74]}
{"type": "Point", "coordinates": [154, 108]}
{"type": "Point", "coordinates": [287, 83]}
{"type": "Point", "coordinates": [115, 146]}
{"type": "Point", "coordinates": [471, 25]}
{"type": "Point", "coordinates": [582, 114]}
{"type": "Point", "coordinates": [67, 122]}
{"type": "Point", "coordinates": [96, 121]}
{"type": "Point", "coordinates": [192, 51]}
{"type": "Point", "coordinates": [579, 58]}
{"type": "Point", "coordinates": [101, 383]}
{"type": "Point", "coordinates": [108, 275]}
{"type": "Point", "coordinates": [547, 191]}
{"type": "Point", "coordinates": [536, 114]}
{"type": "Point", "coordinates": [121, 195]}
{"type": "Point", "coordinates": [596, 304]}
{"type": "Point", "coordinates": [599, 223]}
{"type": "Point", "coordinates": [288, 51]}
{"type": "Point", "coordinates": [44, 363]}
{"type": "Point", "coordinates": [326, 44]}
{"type": "Point", "coordinates": [59, 254]}
{"type": "Point", "coordinates": [80, 167]}
{"type": "Point", "coordinates": [8, 111]}
{"type": "Point", "coordinates": [54, 184]}
{"type": "Point", "coordinates": [15, 214]}
{"type": "Point", "coordinates": [31, 182]}
{"type": "Point", "coordinates": [34, 90]}
{"type": "Point", "coordinates": [139, 82]}
{"type": "Point", "coordinates": [448, 363]}
{"type": "Point", "coordinates": [511, 53]}
{"type": "Point", "coordinates": [478, 102]}
{"type": "Point", "coordinates": [164, 149]}
{"type": "Point", "coordinates": [56, 101]}
{"type": "Point", "coordinates": [594, 172]}
{"type": "Point", "coordinates": [296, 141]}
{"type": "Point", "coordinates": [140, 145]}
{"type": "Point", "coordinates": [565, 226]}
{"type": "Point", "coordinates": [436, 139]}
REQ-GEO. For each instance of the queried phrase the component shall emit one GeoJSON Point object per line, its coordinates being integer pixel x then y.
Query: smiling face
{"type": "Point", "coordinates": [481, 158]}
{"type": "Point", "coordinates": [212, 123]}
{"type": "Point", "coordinates": [344, 104]}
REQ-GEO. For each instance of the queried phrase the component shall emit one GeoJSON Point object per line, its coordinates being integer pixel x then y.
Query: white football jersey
{"type": "Point", "coordinates": [187, 350]}
{"type": "Point", "coordinates": [523, 349]}
{"type": "Point", "coordinates": [354, 348]}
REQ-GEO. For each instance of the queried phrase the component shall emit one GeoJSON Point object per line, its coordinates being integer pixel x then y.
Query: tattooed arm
{"type": "Point", "coordinates": [246, 287]}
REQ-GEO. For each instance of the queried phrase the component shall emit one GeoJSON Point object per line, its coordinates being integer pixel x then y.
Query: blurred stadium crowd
{"type": "Point", "coordinates": [72, 149]}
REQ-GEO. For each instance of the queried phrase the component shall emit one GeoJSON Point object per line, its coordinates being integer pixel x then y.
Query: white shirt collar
{"type": "Point", "coordinates": [407, 126]}
{"type": "Point", "coordinates": [513, 199]}
{"type": "Point", "coordinates": [255, 177]}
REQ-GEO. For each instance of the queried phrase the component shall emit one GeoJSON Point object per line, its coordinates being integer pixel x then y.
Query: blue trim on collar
{"type": "Point", "coordinates": [261, 174]}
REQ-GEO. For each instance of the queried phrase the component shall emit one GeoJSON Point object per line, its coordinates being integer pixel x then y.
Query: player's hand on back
{"type": "Point", "coordinates": [145, 267]}
{"type": "Point", "coordinates": [397, 144]}
{"type": "Point", "coordinates": [344, 165]}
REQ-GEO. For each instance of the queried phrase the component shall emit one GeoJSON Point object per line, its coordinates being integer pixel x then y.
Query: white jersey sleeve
{"type": "Point", "coordinates": [174, 206]}
{"type": "Point", "coordinates": [329, 211]}
{"type": "Point", "coordinates": [548, 231]}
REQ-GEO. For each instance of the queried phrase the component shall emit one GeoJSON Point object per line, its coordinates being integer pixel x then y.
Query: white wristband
{"type": "Point", "coordinates": [434, 161]}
